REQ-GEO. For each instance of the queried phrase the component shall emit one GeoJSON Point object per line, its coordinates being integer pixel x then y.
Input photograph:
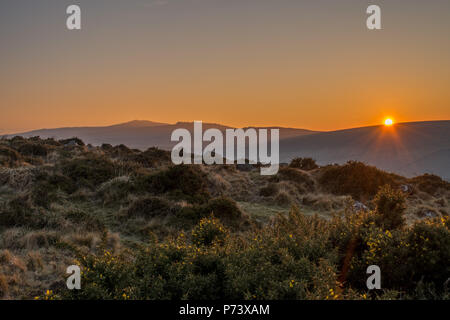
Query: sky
{"type": "Point", "coordinates": [305, 64]}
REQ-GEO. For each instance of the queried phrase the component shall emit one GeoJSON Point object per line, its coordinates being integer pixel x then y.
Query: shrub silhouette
{"type": "Point", "coordinates": [354, 178]}
{"type": "Point", "coordinates": [304, 164]}
{"type": "Point", "coordinates": [33, 149]}
{"type": "Point", "coordinates": [74, 140]}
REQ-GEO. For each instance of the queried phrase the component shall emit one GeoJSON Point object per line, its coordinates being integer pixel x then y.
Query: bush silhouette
{"type": "Point", "coordinates": [354, 178]}
{"type": "Point", "coordinates": [304, 164]}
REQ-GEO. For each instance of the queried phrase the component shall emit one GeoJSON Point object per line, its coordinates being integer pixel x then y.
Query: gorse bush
{"type": "Point", "coordinates": [208, 231]}
{"type": "Point", "coordinates": [141, 228]}
{"type": "Point", "coordinates": [390, 207]}
{"type": "Point", "coordinates": [223, 208]}
{"type": "Point", "coordinates": [289, 260]}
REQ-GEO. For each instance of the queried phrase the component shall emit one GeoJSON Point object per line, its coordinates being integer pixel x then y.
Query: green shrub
{"type": "Point", "coordinates": [19, 212]}
{"type": "Point", "coordinates": [150, 207]}
{"type": "Point", "coordinates": [304, 181]}
{"type": "Point", "coordinates": [223, 208]}
{"type": "Point", "coordinates": [390, 208]}
{"type": "Point", "coordinates": [268, 191]}
{"type": "Point", "coordinates": [46, 186]}
{"type": "Point", "coordinates": [207, 231]}
{"type": "Point", "coordinates": [354, 178]}
{"type": "Point", "coordinates": [89, 171]}
{"type": "Point", "coordinates": [116, 189]}
{"type": "Point", "coordinates": [184, 181]}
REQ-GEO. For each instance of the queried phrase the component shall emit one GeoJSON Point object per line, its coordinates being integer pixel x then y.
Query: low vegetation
{"type": "Point", "coordinates": [141, 228]}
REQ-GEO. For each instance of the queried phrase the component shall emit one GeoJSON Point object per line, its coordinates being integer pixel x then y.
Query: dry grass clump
{"type": "Point", "coordinates": [34, 240]}
{"type": "Point", "coordinates": [431, 184]}
{"type": "Point", "coordinates": [4, 288]}
{"type": "Point", "coordinates": [282, 198]}
{"type": "Point", "coordinates": [302, 180]}
{"type": "Point", "coordinates": [326, 202]}
{"type": "Point", "coordinates": [34, 261]}
{"type": "Point", "coordinates": [69, 199]}
{"type": "Point", "coordinates": [116, 189]}
{"type": "Point", "coordinates": [17, 178]}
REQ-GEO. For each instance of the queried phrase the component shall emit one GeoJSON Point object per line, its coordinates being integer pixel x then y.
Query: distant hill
{"type": "Point", "coordinates": [409, 149]}
{"type": "Point", "coordinates": [406, 148]}
{"type": "Point", "coordinates": [139, 134]}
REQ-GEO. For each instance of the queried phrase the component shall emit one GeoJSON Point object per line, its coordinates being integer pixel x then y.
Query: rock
{"type": "Point", "coordinates": [71, 143]}
{"type": "Point", "coordinates": [406, 188]}
{"type": "Point", "coordinates": [430, 214]}
{"type": "Point", "coordinates": [359, 206]}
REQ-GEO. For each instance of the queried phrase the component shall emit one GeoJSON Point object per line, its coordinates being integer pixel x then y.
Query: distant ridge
{"type": "Point", "coordinates": [411, 148]}
{"type": "Point", "coordinates": [139, 124]}
{"type": "Point", "coordinates": [139, 134]}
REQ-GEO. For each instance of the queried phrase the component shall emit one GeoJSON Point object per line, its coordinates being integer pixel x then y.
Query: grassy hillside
{"type": "Point", "coordinates": [141, 228]}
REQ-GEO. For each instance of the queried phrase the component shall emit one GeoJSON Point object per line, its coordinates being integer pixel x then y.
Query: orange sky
{"type": "Point", "coordinates": [309, 64]}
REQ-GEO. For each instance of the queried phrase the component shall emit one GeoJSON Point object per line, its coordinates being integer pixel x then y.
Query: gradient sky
{"type": "Point", "coordinates": [307, 64]}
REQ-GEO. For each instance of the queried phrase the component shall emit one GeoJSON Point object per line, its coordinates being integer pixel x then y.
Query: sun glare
{"type": "Point", "coordinates": [388, 122]}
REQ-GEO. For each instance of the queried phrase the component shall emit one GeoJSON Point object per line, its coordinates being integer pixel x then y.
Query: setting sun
{"type": "Point", "coordinates": [388, 122]}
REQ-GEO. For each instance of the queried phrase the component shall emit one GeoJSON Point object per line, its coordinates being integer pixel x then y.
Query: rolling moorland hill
{"type": "Point", "coordinates": [408, 149]}
{"type": "Point", "coordinates": [137, 134]}
{"type": "Point", "coordinates": [141, 228]}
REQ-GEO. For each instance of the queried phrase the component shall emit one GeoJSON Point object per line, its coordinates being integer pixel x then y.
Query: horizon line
{"type": "Point", "coordinates": [219, 124]}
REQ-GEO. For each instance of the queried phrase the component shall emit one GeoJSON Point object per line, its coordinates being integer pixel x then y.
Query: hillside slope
{"type": "Point", "coordinates": [405, 148]}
